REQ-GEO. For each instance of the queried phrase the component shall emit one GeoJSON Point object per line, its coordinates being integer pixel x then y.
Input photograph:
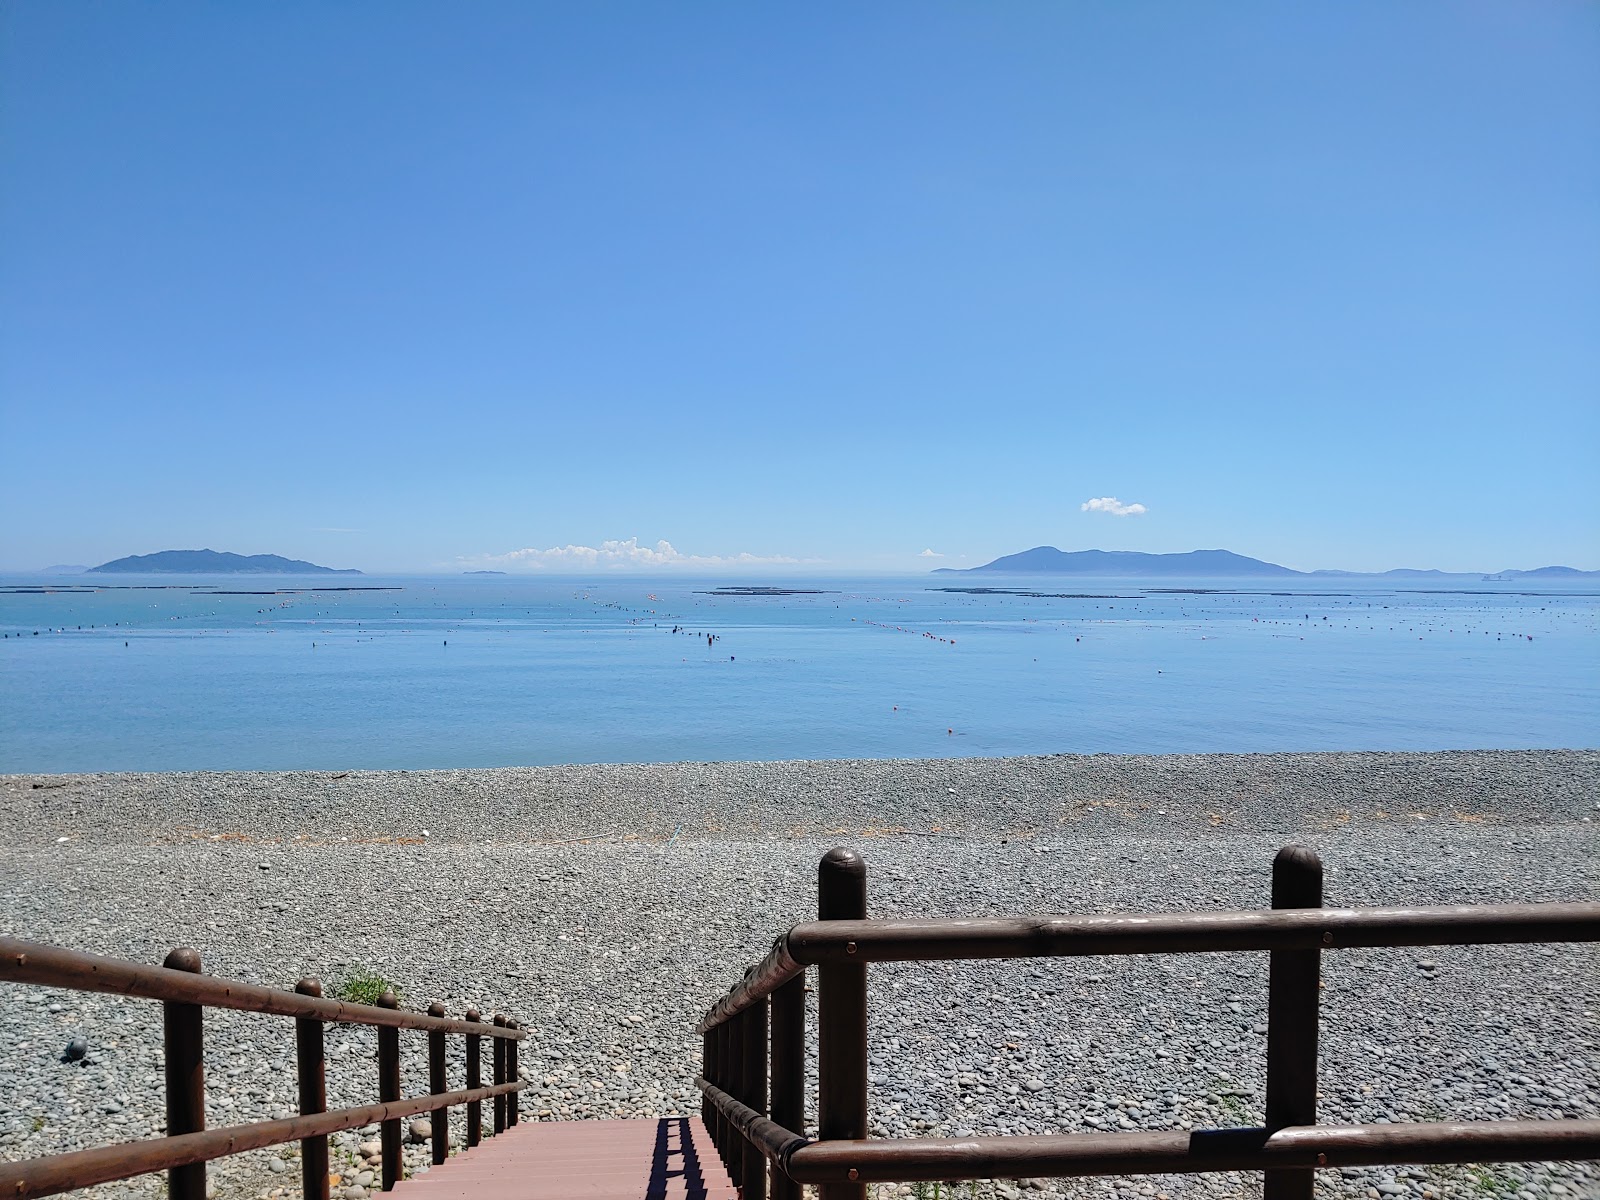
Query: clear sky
{"type": "Point", "coordinates": [398, 285]}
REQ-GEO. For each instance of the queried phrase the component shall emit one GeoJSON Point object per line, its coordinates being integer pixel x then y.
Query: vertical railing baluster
{"type": "Point", "coordinates": [724, 1069]}
{"type": "Point", "coordinates": [311, 1076]}
{"type": "Point", "coordinates": [183, 1039]}
{"type": "Point", "coordinates": [440, 1122]}
{"type": "Point", "coordinates": [499, 1076]}
{"type": "Point", "coordinates": [754, 1094]}
{"type": "Point", "coordinates": [842, 1017]}
{"type": "Point", "coordinates": [1293, 983]}
{"type": "Point", "coordinates": [788, 1071]}
{"type": "Point", "coordinates": [735, 1154]}
{"type": "Point", "coordinates": [474, 1080]}
{"type": "Point", "coordinates": [513, 1099]}
{"type": "Point", "coordinates": [389, 1090]}
{"type": "Point", "coordinates": [708, 1072]}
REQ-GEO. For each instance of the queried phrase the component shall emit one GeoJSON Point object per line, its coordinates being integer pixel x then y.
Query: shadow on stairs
{"type": "Point", "coordinates": [666, 1159]}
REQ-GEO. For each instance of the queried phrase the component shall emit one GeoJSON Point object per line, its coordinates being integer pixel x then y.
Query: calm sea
{"type": "Point", "coordinates": [273, 674]}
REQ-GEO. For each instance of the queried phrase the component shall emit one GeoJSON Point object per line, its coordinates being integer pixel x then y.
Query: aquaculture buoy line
{"type": "Point", "coordinates": [902, 629]}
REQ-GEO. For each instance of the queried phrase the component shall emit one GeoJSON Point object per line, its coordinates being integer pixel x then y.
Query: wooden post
{"type": "Point", "coordinates": [1294, 979]}
{"type": "Point", "coordinates": [389, 1089]}
{"type": "Point", "coordinates": [311, 1070]}
{"type": "Point", "coordinates": [788, 1071]}
{"type": "Point", "coordinates": [842, 1017]}
{"type": "Point", "coordinates": [436, 1084]}
{"type": "Point", "coordinates": [183, 1037]}
{"type": "Point", "coordinates": [474, 1080]}
{"type": "Point", "coordinates": [499, 1076]}
{"type": "Point", "coordinates": [733, 1068]}
{"type": "Point", "coordinates": [753, 1091]}
{"type": "Point", "coordinates": [513, 1099]}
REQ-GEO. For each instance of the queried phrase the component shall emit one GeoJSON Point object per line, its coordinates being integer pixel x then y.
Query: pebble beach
{"type": "Point", "coordinates": [608, 906]}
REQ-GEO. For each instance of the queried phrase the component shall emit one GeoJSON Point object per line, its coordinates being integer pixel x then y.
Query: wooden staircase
{"type": "Point", "coordinates": [670, 1158]}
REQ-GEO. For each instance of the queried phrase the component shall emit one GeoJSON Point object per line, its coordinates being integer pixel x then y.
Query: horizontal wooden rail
{"type": "Point", "coordinates": [1183, 1152]}
{"type": "Point", "coordinates": [84, 1168]}
{"type": "Point", "coordinates": [1153, 1152]}
{"type": "Point", "coordinates": [822, 943]}
{"type": "Point", "coordinates": [51, 966]}
{"type": "Point", "coordinates": [759, 982]}
{"type": "Point", "coordinates": [774, 1141]}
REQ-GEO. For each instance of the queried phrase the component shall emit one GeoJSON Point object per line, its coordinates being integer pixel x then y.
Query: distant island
{"type": "Point", "coordinates": [1206, 564]}
{"type": "Point", "coordinates": [483, 572]}
{"type": "Point", "coordinates": [212, 562]}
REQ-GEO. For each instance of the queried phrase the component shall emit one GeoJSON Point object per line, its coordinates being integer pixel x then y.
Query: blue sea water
{"type": "Point", "coordinates": [153, 673]}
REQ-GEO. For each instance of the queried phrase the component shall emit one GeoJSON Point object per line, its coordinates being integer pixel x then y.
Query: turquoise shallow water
{"type": "Point", "coordinates": [491, 671]}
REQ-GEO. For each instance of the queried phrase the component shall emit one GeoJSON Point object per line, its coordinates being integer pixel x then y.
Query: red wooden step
{"type": "Point", "coordinates": [666, 1159]}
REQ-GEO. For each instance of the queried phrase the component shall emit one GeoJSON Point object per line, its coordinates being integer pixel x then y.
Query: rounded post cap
{"type": "Point", "coordinates": [388, 999]}
{"type": "Point", "coordinates": [474, 1015]}
{"type": "Point", "coordinates": [437, 1009]}
{"type": "Point", "coordinates": [309, 986]}
{"type": "Point", "coordinates": [1298, 857]}
{"type": "Point", "coordinates": [1296, 878]}
{"type": "Point", "coordinates": [499, 1018]}
{"type": "Point", "coordinates": [183, 958]}
{"type": "Point", "coordinates": [842, 860]}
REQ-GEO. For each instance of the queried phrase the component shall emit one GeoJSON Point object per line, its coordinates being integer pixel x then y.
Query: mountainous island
{"type": "Point", "coordinates": [1203, 564]}
{"type": "Point", "coordinates": [212, 562]}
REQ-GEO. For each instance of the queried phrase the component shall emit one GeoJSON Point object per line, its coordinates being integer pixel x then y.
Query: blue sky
{"type": "Point", "coordinates": [407, 286]}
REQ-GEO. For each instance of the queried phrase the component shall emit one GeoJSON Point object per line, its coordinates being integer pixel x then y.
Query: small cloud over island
{"type": "Point", "coordinates": [930, 554]}
{"type": "Point", "coordinates": [1112, 506]}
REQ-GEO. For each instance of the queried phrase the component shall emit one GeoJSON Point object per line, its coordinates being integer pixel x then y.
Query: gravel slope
{"type": "Point", "coordinates": [609, 949]}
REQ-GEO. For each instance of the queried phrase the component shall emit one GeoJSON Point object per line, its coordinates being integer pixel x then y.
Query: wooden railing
{"type": "Point", "coordinates": [183, 1153]}
{"type": "Point", "coordinates": [754, 1056]}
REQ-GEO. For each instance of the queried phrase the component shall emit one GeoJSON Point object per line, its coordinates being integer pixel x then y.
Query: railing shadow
{"type": "Point", "coordinates": [687, 1167]}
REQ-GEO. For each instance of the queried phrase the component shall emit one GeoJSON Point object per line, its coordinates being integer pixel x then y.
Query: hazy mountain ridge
{"type": "Point", "coordinates": [213, 562]}
{"type": "Point", "coordinates": [1048, 560]}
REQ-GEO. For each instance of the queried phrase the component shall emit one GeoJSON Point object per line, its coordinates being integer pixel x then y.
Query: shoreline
{"type": "Point", "coordinates": [802, 798]}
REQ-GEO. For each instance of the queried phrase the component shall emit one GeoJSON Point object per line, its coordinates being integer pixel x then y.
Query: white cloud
{"type": "Point", "coordinates": [615, 555]}
{"type": "Point", "coordinates": [1110, 504]}
{"type": "Point", "coordinates": [930, 554]}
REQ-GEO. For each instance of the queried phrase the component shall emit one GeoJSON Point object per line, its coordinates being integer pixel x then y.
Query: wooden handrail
{"type": "Point", "coordinates": [185, 992]}
{"type": "Point", "coordinates": [739, 1062]}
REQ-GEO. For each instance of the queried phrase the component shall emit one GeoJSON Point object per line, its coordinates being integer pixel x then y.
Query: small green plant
{"type": "Point", "coordinates": [1486, 1181]}
{"type": "Point", "coordinates": [362, 986]}
{"type": "Point", "coordinates": [38, 1123]}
